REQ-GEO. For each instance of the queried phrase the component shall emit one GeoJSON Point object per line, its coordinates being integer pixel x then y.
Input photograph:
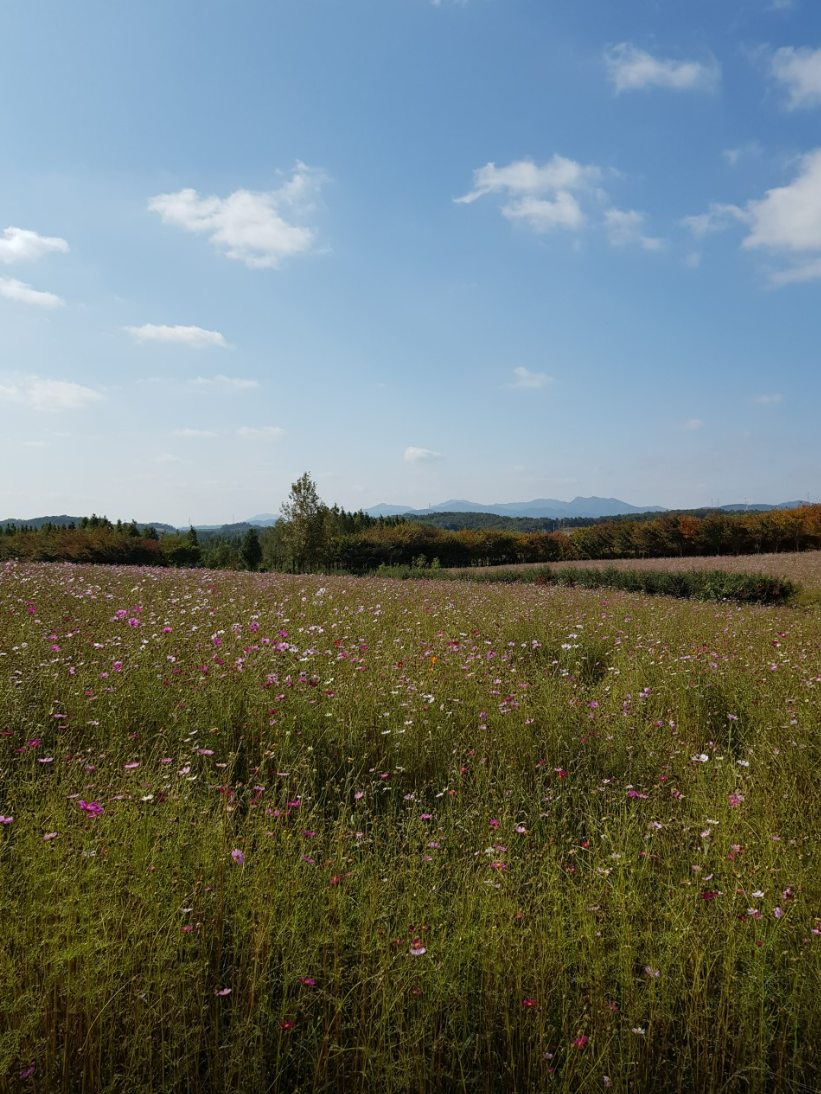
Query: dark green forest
{"type": "Point", "coordinates": [311, 536]}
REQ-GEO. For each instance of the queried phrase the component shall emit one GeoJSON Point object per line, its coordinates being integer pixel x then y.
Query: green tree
{"type": "Point", "coordinates": [251, 549]}
{"type": "Point", "coordinates": [302, 526]}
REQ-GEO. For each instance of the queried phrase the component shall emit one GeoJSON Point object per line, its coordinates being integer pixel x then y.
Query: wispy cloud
{"type": "Point", "coordinates": [799, 71]}
{"type": "Point", "coordinates": [21, 244]}
{"type": "Point", "coordinates": [624, 227]}
{"type": "Point", "coordinates": [265, 432]}
{"type": "Point", "coordinates": [221, 382]}
{"type": "Point", "coordinates": [733, 156]}
{"type": "Point", "coordinates": [693, 424]}
{"type": "Point", "coordinates": [195, 337]}
{"type": "Point", "coordinates": [25, 294]}
{"type": "Point", "coordinates": [542, 196]}
{"type": "Point", "coordinates": [769, 400]}
{"type": "Point", "coordinates": [193, 433]}
{"type": "Point", "coordinates": [48, 395]}
{"type": "Point", "coordinates": [716, 218]}
{"type": "Point", "coordinates": [633, 69]}
{"type": "Point", "coordinates": [421, 455]}
{"type": "Point", "coordinates": [259, 228]}
{"type": "Point", "coordinates": [529, 380]}
{"type": "Point", "coordinates": [561, 193]}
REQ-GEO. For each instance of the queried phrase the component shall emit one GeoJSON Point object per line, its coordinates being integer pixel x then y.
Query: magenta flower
{"type": "Point", "coordinates": [117, 666]}
{"type": "Point", "coordinates": [528, 1002]}
{"type": "Point", "coordinates": [307, 981]}
{"type": "Point", "coordinates": [92, 809]}
{"type": "Point", "coordinates": [6, 820]}
{"type": "Point", "coordinates": [50, 835]}
{"type": "Point", "coordinates": [223, 991]}
{"type": "Point", "coordinates": [238, 856]}
{"type": "Point", "coordinates": [778, 912]}
{"type": "Point", "coordinates": [493, 822]}
{"type": "Point", "coordinates": [580, 1042]}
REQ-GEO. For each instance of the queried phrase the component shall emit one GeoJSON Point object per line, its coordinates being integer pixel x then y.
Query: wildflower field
{"type": "Point", "coordinates": [273, 833]}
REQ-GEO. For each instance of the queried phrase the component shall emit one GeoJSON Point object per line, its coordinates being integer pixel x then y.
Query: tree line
{"type": "Point", "coordinates": [312, 536]}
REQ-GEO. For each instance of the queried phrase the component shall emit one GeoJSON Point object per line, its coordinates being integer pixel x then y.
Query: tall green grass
{"type": "Point", "coordinates": [749, 588]}
{"type": "Point", "coordinates": [412, 837]}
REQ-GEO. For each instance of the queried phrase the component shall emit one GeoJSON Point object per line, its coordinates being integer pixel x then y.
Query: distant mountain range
{"type": "Point", "coordinates": [539, 508]}
{"type": "Point", "coordinates": [554, 509]}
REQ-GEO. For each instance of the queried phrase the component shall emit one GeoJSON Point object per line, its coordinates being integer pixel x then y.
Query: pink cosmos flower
{"type": "Point", "coordinates": [223, 991]}
{"type": "Point", "coordinates": [6, 820]}
{"type": "Point", "coordinates": [238, 856]}
{"type": "Point", "coordinates": [92, 809]}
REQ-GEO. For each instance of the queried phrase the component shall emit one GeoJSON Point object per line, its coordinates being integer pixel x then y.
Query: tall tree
{"type": "Point", "coordinates": [303, 519]}
{"type": "Point", "coordinates": [251, 549]}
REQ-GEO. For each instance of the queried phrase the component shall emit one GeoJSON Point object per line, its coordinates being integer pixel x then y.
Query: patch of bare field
{"type": "Point", "coordinates": [803, 567]}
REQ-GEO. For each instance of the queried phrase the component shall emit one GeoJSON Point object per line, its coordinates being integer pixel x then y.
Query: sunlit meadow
{"type": "Point", "coordinates": [273, 833]}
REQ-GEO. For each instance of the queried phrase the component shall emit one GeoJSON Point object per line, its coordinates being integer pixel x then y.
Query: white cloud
{"type": "Point", "coordinates": [20, 244]}
{"type": "Point", "coordinates": [195, 337]}
{"type": "Point", "coordinates": [624, 227]}
{"type": "Point", "coordinates": [795, 275]}
{"type": "Point", "coordinates": [221, 382]}
{"type": "Point", "coordinates": [258, 228]}
{"type": "Point", "coordinates": [49, 395]}
{"type": "Point", "coordinates": [633, 69]}
{"type": "Point", "coordinates": [715, 219]}
{"type": "Point", "coordinates": [25, 294]}
{"type": "Point", "coordinates": [693, 423]}
{"type": "Point", "coordinates": [268, 432]}
{"type": "Point", "coordinates": [193, 433]}
{"type": "Point", "coordinates": [746, 151]}
{"type": "Point", "coordinates": [786, 222]}
{"type": "Point", "coordinates": [789, 217]}
{"type": "Point", "coordinates": [421, 455]}
{"type": "Point", "coordinates": [526, 177]}
{"type": "Point", "coordinates": [543, 197]}
{"type": "Point", "coordinates": [768, 400]}
{"type": "Point", "coordinates": [542, 215]}
{"type": "Point", "coordinates": [530, 380]}
{"type": "Point", "coordinates": [799, 70]}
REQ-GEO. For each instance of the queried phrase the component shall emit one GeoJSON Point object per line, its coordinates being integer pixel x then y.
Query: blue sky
{"type": "Point", "coordinates": [497, 249]}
